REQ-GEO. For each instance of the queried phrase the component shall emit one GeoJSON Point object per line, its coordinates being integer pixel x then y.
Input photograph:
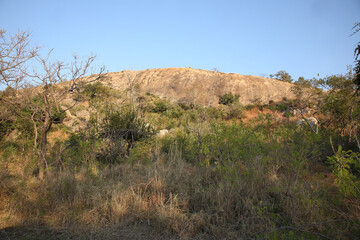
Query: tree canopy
{"type": "Point", "coordinates": [283, 76]}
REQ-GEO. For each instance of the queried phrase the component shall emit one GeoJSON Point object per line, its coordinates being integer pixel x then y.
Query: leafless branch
{"type": "Point", "coordinates": [15, 52]}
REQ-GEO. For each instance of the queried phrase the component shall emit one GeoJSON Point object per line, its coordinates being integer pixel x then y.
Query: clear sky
{"type": "Point", "coordinates": [250, 37]}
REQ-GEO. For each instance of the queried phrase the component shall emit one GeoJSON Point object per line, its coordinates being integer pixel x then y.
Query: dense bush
{"type": "Point", "coordinates": [94, 90]}
{"type": "Point", "coordinates": [123, 128]}
{"type": "Point", "coordinates": [228, 98]}
{"type": "Point", "coordinates": [160, 106]}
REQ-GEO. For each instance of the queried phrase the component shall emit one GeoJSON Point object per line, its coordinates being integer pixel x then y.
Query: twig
{"type": "Point", "coordinates": [332, 145]}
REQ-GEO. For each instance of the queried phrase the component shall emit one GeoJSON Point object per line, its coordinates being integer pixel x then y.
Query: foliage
{"type": "Point", "coordinates": [228, 98]}
{"type": "Point", "coordinates": [123, 127]}
{"type": "Point", "coordinates": [346, 168]}
{"type": "Point", "coordinates": [160, 106]}
{"type": "Point", "coordinates": [283, 76]}
{"type": "Point", "coordinates": [216, 176]}
{"type": "Point", "coordinates": [8, 92]}
{"type": "Point", "coordinates": [357, 59]}
{"type": "Point", "coordinates": [186, 106]}
{"type": "Point", "coordinates": [174, 111]}
{"type": "Point", "coordinates": [342, 105]}
{"type": "Point", "coordinates": [79, 151]}
{"type": "Point", "coordinates": [96, 90]}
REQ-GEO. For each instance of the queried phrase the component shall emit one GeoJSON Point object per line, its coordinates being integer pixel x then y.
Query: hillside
{"type": "Point", "coordinates": [200, 86]}
{"type": "Point", "coordinates": [125, 160]}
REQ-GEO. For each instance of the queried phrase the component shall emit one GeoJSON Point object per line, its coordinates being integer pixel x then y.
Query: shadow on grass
{"type": "Point", "coordinates": [39, 232]}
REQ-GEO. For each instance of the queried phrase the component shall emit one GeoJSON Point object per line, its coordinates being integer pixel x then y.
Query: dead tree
{"type": "Point", "coordinates": [52, 80]}
{"type": "Point", "coordinates": [15, 54]}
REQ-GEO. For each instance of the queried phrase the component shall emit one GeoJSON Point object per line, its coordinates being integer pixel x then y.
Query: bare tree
{"type": "Point", "coordinates": [55, 81]}
{"type": "Point", "coordinates": [42, 90]}
{"type": "Point", "coordinates": [15, 53]}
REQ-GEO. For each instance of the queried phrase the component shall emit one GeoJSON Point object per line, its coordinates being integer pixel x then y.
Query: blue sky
{"type": "Point", "coordinates": [250, 37]}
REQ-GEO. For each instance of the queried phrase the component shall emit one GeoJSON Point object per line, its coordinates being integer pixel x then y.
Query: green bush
{"type": "Point", "coordinates": [249, 106]}
{"type": "Point", "coordinates": [228, 98]}
{"type": "Point", "coordinates": [183, 141]}
{"type": "Point", "coordinates": [9, 150]}
{"type": "Point", "coordinates": [345, 167]}
{"type": "Point", "coordinates": [215, 112]}
{"type": "Point", "coordinates": [160, 106]}
{"type": "Point", "coordinates": [6, 126]}
{"type": "Point", "coordinates": [236, 110]}
{"type": "Point", "coordinates": [123, 128]}
{"type": "Point", "coordinates": [79, 150]}
{"type": "Point", "coordinates": [282, 107]}
{"type": "Point", "coordinates": [174, 112]}
{"type": "Point", "coordinates": [186, 106]}
{"type": "Point", "coordinates": [96, 90]}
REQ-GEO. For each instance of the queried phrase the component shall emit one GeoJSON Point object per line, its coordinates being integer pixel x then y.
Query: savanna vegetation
{"type": "Point", "coordinates": [215, 173]}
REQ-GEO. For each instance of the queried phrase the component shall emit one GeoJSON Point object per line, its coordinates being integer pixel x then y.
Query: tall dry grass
{"type": "Point", "coordinates": [171, 195]}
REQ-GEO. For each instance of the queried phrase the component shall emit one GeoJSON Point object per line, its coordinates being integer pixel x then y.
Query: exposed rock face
{"type": "Point", "coordinates": [200, 86]}
{"type": "Point", "coordinates": [311, 120]}
{"type": "Point", "coordinates": [162, 133]}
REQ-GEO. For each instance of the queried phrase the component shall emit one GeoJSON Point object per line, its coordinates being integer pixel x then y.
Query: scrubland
{"type": "Point", "coordinates": [217, 173]}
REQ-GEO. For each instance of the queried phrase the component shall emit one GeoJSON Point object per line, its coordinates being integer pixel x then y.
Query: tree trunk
{"type": "Point", "coordinates": [45, 129]}
{"type": "Point", "coordinates": [35, 131]}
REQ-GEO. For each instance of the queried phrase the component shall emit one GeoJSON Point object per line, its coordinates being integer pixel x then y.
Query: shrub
{"type": "Point", "coordinates": [123, 127]}
{"type": "Point", "coordinates": [345, 167]}
{"type": "Point", "coordinates": [282, 107]}
{"type": "Point", "coordinates": [174, 112]}
{"type": "Point", "coordinates": [215, 112]}
{"type": "Point", "coordinates": [8, 92]}
{"type": "Point", "coordinates": [228, 98]}
{"type": "Point", "coordinates": [79, 150]}
{"type": "Point", "coordinates": [249, 106]}
{"type": "Point", "coordinates": [236, 110]}
{"type": "Point", "coordinates": [6, 126]}
{"type": "Point", "coordinates": [186, 106]}
{"type": "Point", "coordinates": [160, 106]}
{"type": "Point", "coordinates": [97, 89]}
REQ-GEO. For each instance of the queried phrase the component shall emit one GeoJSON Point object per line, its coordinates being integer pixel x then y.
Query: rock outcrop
{"type": "Point", "coordinates": [200, 86]}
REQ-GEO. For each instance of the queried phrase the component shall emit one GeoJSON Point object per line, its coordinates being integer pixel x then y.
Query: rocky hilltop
{"type": "Point", "coordinates": [200, 86]}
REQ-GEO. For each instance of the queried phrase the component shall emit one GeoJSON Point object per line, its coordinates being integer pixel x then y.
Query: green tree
{"type": "Point", "coordinates": [342, 105]}
{"type": "Point", "coordinates": [283, 76]}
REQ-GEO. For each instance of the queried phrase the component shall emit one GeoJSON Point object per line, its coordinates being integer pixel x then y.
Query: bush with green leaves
{"type": "Point", "coordinates": [123, 127]}
{"type": "Point", "coordinates": [236, 110]}
{"type": "Point", "coordinates": [95, 90]}
{"type": "Point", "coordinates": [8, 92]}
{"type": "Point", "coordinates": [174, 111]}
{"type": "Point", "coordinates": [109, 137]}
{"type": "Point", "coordinates": [160, 106]}
{"type": "Point", "coordinates": [79, 150]}
{"type": "Point", "coordinates": [228, 98]}
{"type": "Point", "coordinates": [346, 168]}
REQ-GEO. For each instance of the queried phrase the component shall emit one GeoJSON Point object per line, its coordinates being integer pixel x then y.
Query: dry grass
{"type": "Point", "coordinates": [169, 194]}
{"type": "Point", "coordinates": [261, 195]}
